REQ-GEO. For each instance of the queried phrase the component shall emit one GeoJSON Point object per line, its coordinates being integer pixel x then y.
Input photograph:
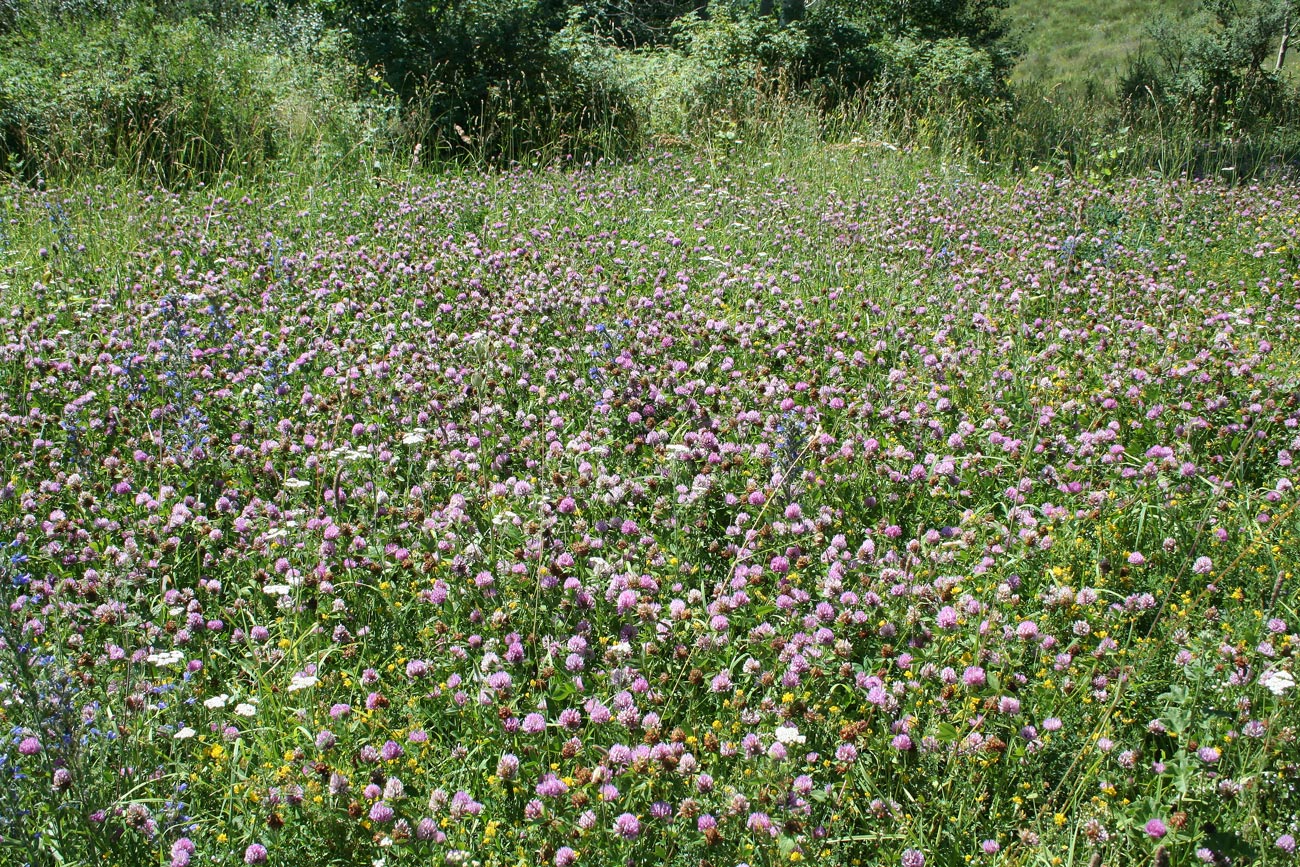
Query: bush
{"type": "Point", "coordinates": [176, 99]}
{"type": "Point", "coordinates": [492, 78]}
{"type": "Point", "coordinates": [1212, 69]}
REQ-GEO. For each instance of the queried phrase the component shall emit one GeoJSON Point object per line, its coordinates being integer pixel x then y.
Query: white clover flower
{"type": "Point", "coordinates": [217, 701]}
{"type": "Point", "coordinates": [302, 681]}
{"type": "Point", "coordinates": [166, 658]}
{"type": "Point", "coordinates": [246, 709]}
{"type": "Point", "coordinates": [789, 735]}
{"type": "Point", "coordinates": [1277, 680]}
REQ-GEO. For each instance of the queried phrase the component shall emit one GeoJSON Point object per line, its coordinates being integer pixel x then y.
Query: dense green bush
{"type": "Point", "coordinates": [491, 77]}
{"type": "Point", "coordinates": [735, 70]}
{"type": "Point", "coordinates": [138, 90]}
{"type": "Point", "coordinates": [197, 87]}
{"type": "Point", "coordinates": [1218, 67]}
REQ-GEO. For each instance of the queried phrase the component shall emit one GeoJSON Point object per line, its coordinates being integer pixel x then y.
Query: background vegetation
{"type": "Point", "coordinates": [1081, 43]}
{"type": "Point", "coordinates": [180, 90]}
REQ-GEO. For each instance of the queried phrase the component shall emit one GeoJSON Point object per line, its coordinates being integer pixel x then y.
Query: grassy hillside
{"type": "Point", "coordinates": [1073, 40]}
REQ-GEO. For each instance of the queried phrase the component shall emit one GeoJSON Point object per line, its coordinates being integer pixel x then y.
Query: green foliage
{"type": "Point", "coordinates": [947, 69]}
{"type": "Point", "coordinates": [1216, 66]}
{"type": "Point", "coordinates": [981, 23]}
{"type": "Point", "coordinates": [489, 76]}
{"type": "Point", "coordinates": [201, 87]}
{"type": "Point", "coordinates": [735, 66]}
{"type": "Point", "coordinates": [174, 99]}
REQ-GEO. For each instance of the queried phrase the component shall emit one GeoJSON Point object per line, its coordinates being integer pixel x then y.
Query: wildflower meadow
{"type": "Point", "coordinates": [673, 512]}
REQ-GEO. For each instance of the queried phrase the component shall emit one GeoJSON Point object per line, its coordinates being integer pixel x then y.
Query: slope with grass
{"type": "Point", "coordinates": [1072, 42]}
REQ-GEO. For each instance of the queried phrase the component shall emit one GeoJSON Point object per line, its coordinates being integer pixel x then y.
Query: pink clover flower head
{"type": "Point", "coordinates": [181, 851]}
{"type": "Point", "coordinates": [627, 826]}
{"type": "Point", "coordinates": [1156, 828]}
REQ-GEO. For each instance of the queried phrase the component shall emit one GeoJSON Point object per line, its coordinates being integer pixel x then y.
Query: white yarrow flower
{"type": "Point", "coordinates": [184, 734]}
{"type": "Point", "coordinates": [166, 658]}
{"type": "Point", "coordinates": [245, 709]}
{"type": "Point", "coordinates": [1277, 681]}
{"type": "Point", "coordinates": [217, 701]}
{"type": "Point", "coordinates": [296, 484]}
{"type": "Point", "coordinates": [414, 438]}
{"type": "Point", "coordinates": [789, 735]}
{"type": "Point", "coordinates": [276, 589]}
{"type": "Point", "coordinates": [302, 681]}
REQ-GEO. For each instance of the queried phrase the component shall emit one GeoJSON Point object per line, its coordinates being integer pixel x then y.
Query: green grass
{"type": "Point", "coordinates": [1074, 41]}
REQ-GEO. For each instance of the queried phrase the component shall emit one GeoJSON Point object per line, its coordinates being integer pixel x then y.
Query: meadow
{"type": "Point", "coordinates": [693, 510]}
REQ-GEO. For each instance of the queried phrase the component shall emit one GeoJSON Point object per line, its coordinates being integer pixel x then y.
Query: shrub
{"type": "Point", "coordinates": [1213, 68]}
{"type": "Point", "coordinates": [175, 99]}
{"type": "Point", "coordinates": [492, 78]}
